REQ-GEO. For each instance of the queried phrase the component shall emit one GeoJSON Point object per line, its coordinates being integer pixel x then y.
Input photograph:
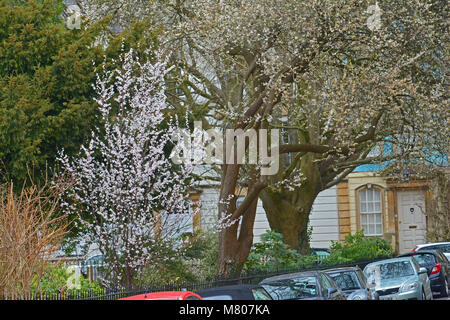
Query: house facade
{"type": "Point", "coordinates": [393, 210]}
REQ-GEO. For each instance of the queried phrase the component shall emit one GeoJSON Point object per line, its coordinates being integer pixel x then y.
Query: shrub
{"type": "Point", "coordinates": [60, 279]}
{"type": "Point", "coordinates": [357, 247]}
{"type": "Point", "coordinates": [202, 255]}
{"type": "Point", "coordinates": [273, 254]}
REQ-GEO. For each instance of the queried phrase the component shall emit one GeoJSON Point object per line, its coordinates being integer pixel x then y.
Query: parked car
{"type": "Point", "coordinates": [443, 246]}
{"type": "Point", "coordinates": [320, 253]}
{"type": "Point", "coordinates": [399, 279]}
{"type": "Point", "coordinates": [235, 292]}
{"type": "Point", "coordinates": [165, 295]}
{"type": "Point", "coordinates": [352, 282]}
{"type": "Point", "coordinates": [438, 269]}
{"type": "Point", "coordinates": [312, 285]}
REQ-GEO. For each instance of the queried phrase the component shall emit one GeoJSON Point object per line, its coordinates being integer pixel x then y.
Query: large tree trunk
{"type": "Point", "coordinates": [235, 242]}
{"type": "Point", "coordinates": [288, 211]}
{"type": "Point", "coordinates": [288, 214]}
{"type": "Point", "coordinates": [234, 246]}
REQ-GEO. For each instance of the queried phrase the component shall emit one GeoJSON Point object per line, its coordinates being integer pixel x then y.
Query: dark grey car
{"type": "Point", "coordinates": [311, 285]}
{"type": "Point", "coordinates": [235, 292]}
{"type": "Point", "coordinates": [438, 269]}
{"type": "Point", "coordinates": [353, 282]}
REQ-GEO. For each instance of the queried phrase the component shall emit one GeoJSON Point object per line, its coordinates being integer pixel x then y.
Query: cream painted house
{"type": "Point", "coordinates": [393, 210]}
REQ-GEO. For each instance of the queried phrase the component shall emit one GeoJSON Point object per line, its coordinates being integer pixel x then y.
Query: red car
{"type": "Point", "coordinates": [166, 295]}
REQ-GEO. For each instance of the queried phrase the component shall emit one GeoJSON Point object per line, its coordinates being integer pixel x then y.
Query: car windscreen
{"type": "Point", "coordinates": [346, 280]}
{"type": "Point", "coordinates": [389, 270]}
{"type": "Point", "coordinates": [298, 288]}
{"type": "Point", "coordinates": [261, 294]}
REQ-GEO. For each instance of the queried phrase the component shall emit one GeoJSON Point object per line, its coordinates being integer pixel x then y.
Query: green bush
{"type": "Point", "coordinates": [59, 279]}
{"type": "Point", "coordinates": [356, 247]}
{"type": "Point", "coordinates": [273, 254]}
{"type": "Point", "coordinates": [202, 255]}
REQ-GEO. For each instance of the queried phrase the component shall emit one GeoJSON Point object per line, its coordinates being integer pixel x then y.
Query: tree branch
{"type": "Point", "coordinates": [249, 198]}
{"type": "Point", "coordinates": [288, 148]}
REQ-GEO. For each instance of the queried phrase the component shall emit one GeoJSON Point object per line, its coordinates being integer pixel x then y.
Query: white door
{"type": "Point", "coordinates": [411, 219]}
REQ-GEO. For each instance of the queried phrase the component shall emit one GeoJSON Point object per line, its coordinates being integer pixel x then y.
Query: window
{"type": "Point", "coordinates": [347, 280]}
{"type": "Point", "coordinates": [425, 259]}
{"type": "Point", "coordinates": [261, 294]}
{"type": "Point", "coordinates": [371, 211]}
{"type": "Point", "coordinates": [325, 283]}
{"type": "Point", "coordinates": [297, 288]}
{"type": "Point", "coordinates": [390, 270]}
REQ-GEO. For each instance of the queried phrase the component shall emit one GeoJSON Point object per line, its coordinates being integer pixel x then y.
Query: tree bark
{"type": "Point", "coordinates": [288, 211]}
{"type": "Point", "coordinates": [288, 214]}
{"type": "Point", "coordinates": [235, 241]}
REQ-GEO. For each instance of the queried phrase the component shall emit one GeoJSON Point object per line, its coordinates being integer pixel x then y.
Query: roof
{"type": "Point", "coordinates": [342, 269]}
{"type": "Point", "coordinates": [432, 243]}
{"type": "Point", "coordinates": [429, 251]}
{"type": "Point", "coordinates": [389, 260]}
{"type": "Point", "coordinates": [239, 292]}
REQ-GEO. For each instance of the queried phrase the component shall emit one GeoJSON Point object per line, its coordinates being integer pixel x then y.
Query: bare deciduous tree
{"type": "Point", "coordinates": [30, 233]}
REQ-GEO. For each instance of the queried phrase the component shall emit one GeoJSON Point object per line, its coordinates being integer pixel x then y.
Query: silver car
{"type": "Point", "coordinates": [352, 281]}
{"type": "Point", "coordinates": [399, 279]}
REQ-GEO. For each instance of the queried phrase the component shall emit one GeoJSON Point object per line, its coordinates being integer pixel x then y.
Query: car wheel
{"type": "Point", "coordinates": [444, 290]}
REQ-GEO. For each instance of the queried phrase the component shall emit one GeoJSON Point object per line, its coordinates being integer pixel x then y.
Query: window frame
{"type": "Point", "coordinates": [382, 209]}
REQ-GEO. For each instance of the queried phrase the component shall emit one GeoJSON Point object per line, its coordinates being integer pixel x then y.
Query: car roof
{"type": "Point", "coordinates": [242, 291]}
{"type": "Point", "coordinates": [235, 287]}
{"type": "Point", "coordinates": [432, 244]}
{"type": "Point", "coordinates": [291, 276]}
{"type": "Point", "coordinates": [429, 251]}
{"type": "Point", "coordinates": [389, 260]}
{"type": "Point", "coordinates": [342, 269]}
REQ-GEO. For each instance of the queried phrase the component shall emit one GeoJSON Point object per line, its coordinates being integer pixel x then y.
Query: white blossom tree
{"type": "Point", "coordinates": [339, 84]}
{"type": "Point", "coordinates": [129, 196]}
